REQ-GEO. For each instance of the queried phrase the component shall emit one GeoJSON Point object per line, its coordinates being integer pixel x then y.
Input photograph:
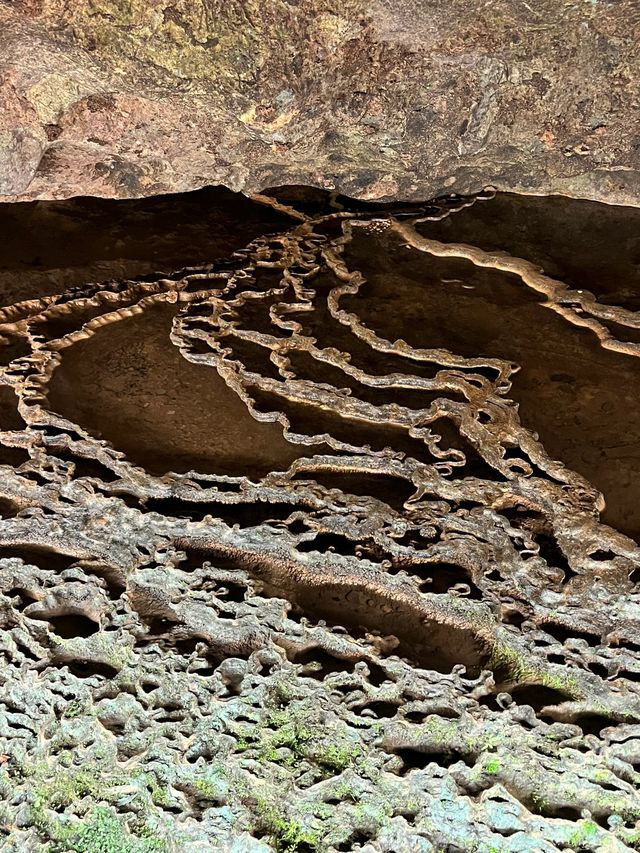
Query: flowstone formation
{"type": "Point", "coordinates": [285, 563]}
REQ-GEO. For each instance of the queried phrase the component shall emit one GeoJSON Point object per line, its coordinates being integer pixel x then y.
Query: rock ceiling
{"type": "Point", "coordinates": [378, 99]}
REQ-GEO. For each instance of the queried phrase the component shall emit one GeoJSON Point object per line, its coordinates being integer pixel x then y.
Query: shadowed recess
{"type": "Point", "coordinates": [118, 239]}
{"type": "Point", "coordinates": [129, 385]}
{"type": "Point", "coordinates": [585, 244]}
{"type": "Point", "coordinates": [581, 399]}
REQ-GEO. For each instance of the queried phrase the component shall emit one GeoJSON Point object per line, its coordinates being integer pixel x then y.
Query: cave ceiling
{"type": "Point", "coordinates": [377, 99]}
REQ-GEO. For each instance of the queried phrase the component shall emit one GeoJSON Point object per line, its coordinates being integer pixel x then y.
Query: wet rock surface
{"type": "Point", "coordinates": [303, 548]}
{"type": "Point", "coordinates": [376, 99]}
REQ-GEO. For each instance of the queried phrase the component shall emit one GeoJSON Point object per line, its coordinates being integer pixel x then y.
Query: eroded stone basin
{"type": "Point", "coordinates": [129, 385]}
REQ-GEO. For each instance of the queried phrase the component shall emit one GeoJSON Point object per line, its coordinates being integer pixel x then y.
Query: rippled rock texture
{"type": "Point", "coordinates": [379, 99]}
{"type": "Point", "coordinates": [304, 548]}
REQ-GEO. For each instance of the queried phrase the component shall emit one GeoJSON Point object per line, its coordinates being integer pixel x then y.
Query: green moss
{"type": "Point", "coordinates": [338, 757]}
{"type": "Point", "coordinates": [632, 839]}
{"type": "Point", "coordinates": [602, 775]}
{"type": "Point", "coordinates": [281, 692]}
{"type": "Point", "coordinates": [290, 731]}
{"type": "Point", "coordinates": [103, 833]}
{"type": "Point", "coordinates": [290, 735]}
{"type": "Point", "coordinates": [74, 709]}
{"type": "Point", "coordinates": [287, 833]}
{"type": "Point", "coordinates": [540, 802]}
{"type": "Point", "coordinates": [344, 791]}
{"type": "Point", "coordinates": [207, 789]}
{"type": "Point", "coordinates": [586, 832]}
{"type": "Point", "coordinates": [565, 684]}
{"type": "Point", "coordinates": [62, 790]}
{"type": "Point", "coordinates": [367, 813]}
{"type": "Point", "coordinates": [100, 647]}
{"type": "Point", "coordinates": [443, 731]}
{"type": "Point", "coordinates": [160, 796]}
{"type": "Point", "coordinates": [508, 660]}
{"type": "Point", "coordinates": [492, 766]}
{"type": "Point", "coordinates": [100, 831]}
{"type": "Point", "coordinates": [504, 657]}
{"type": "Point", "coordinates": [290, 836]}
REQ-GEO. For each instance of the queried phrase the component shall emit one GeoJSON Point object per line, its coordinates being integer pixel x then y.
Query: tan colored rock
{"type": "Point", "coordinates": [378, 99]}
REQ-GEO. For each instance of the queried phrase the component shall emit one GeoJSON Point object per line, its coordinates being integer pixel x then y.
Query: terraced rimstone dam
{"type": "Point", "coordinates": [319, 525]}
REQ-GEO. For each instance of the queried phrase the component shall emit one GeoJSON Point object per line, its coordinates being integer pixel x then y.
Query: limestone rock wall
{"type": "Point", "coordinates": [380, 99]}
{"type": "Point", "coordinates": [293, 560]}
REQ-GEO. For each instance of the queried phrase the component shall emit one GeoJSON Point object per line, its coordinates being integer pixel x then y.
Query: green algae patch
{"type": "Point", "coordinates": [69, 811]}
{"type": "Point", "coordinates": [288, 834]}
{"type": "Point", "coordinates": [298, 733]}
{"type": "Point", "coordinates": [103, 832]}
{"type": "Point", "coordinates": [64, 789]}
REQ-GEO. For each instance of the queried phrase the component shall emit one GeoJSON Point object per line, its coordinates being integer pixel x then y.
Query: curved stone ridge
{"type": "Point", "coordinates": [272, 580]}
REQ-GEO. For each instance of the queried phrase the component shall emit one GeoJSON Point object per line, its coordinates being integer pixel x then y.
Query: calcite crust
{"type": "Point", "coordinates": [351, 603]}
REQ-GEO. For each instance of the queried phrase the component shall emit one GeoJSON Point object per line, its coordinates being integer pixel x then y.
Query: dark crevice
{"type": "Point", "coordinates": [71, 625]}
{"type": "Point", "coordinates": [8, 508]}
{"type": "Point", "coordinates": [394, 491]}
{"type": "Point", "coordinates": [552, 554]}
{"type": "Point", "coordinates": [593, 724]}
{"type": "Point", "coordinates": [382, 709]}
{"type": "Point", "coordinates": [439, 578]}
{"type": "Point", "coordinates": [324, 542]}
{"type": "Point", "coordinates": [84, 467]}
{"type": "Point", "coordinates": [40, 556]}
{"type": "Point", "coordinates": [537, 696]}
{"type": "Point", "coordinates": [249, 514]}
{"type": "Point", "coordinates": [13, 456]}
{"type": "Point", "coordinates": [319, 663]}
{"type": "Point", "coordinates": [10, 418]}
{"type": "Point", "coordinates": [414, 759]}
{"type": "Point", "coordinates": [87, 669]}
{"type": "Point", "coordinates": [562, 633]}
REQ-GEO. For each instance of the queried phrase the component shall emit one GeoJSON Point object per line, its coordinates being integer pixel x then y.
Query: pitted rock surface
{"type": "Point", "coordinates": [285, 563]}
